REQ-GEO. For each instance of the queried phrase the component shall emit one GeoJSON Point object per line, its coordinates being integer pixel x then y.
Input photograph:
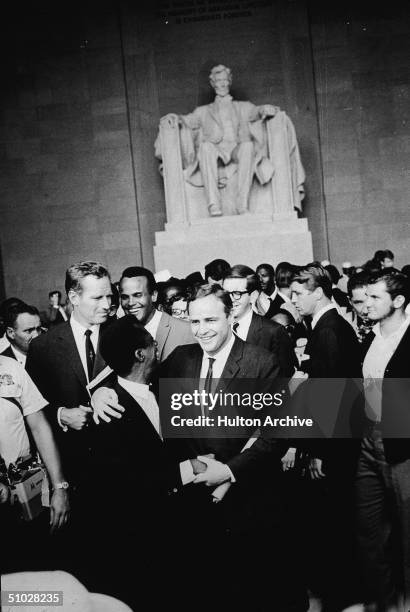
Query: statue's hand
{"type": "Point", "coordinates": [268, 110]}
{"type": "Point", "coordinates": [171, 120]}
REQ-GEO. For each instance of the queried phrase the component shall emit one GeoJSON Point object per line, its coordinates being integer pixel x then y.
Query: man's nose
{"type": "Point", "coordinates": [202, 328]}
{"type": "Point", "coordinates": [36, 332]}
{"type": "Point", "coordinates": [106, 303]}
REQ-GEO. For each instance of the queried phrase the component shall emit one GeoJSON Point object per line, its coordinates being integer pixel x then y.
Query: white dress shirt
{"type": "Point", "coordinates": [79, 338]}
{"type": "Point", "coordinates": [20, 357]}
{"type": "Point", "coordinates": [321, 312]}
{"type": "Point", "coordinates": [145, 398]}
{"type": "Point", "coordinates": [377, 357]}
{"type": "Point", "coordinates": [244, 324]}
{"type": "Point", "coordinates": [152, 325]}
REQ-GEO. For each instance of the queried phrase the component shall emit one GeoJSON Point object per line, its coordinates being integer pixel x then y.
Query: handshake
{"type": "Point", "coordinates": [210, 471]}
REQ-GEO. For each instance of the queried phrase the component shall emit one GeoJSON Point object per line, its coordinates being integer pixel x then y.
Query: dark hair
{"type": "Point", "coordinates": [7, 304]}
{"type": "Point", "coordinates": [397, 283]}
{"type": "Point", "coordinates": [388, 254]}
{"type": "Point", "coordinates": [372, 266]}
{"type": "Point", "coordinates": [314, 275]}
{"type": "Point", "coordinates": [241, 271]}
{"type": "Point", "coordinates": [267, 267]}
{"type": "Point", "coordinates": [357, 281]}
{"type": "Point", "coordinates": [334, 273]}
{"type": "Point", "coordinates": [216, 269]}
{"type": "Point", "coordinates": [14, 312]}
{"type": "Point", "coordinates": [134, 271]}
{"type": "Point", "coordinates": [284, 274]}
{"type": "Point", "coordinates": [379, 256]}
{"type": "Point", "coordinates": [212, 289]}
{"type": "Point", "coordinates": [77, 272]}
{"type": "Point", "coordinates": [120, 341]}
{"type": "Point", "coordinates": [50, 293]}
{"type": "Point", "coordinates": [115, 296]}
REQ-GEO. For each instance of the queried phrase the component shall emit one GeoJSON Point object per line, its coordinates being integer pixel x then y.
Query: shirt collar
{"type": "Point", "coordinates": [152, 325]}
{"type": "Point", "coordinates": [399, 331]}
{"type": "Point", "coordinates": [274, 294]}
{"type": "Point", "coordinates": [224, 352]}
{"type": "Point", "coordinates": [246, 319]}
{"type": "Point", "coordinates": [321, 312]}
{"type": "Point", "coordinates": [21, 357]}
{"type": "Point", "coordinates": [135, 389]}
{"type": "Point", "coordinates": [79, 329]}
{"type": "Point", "coordinates": [285, 297]}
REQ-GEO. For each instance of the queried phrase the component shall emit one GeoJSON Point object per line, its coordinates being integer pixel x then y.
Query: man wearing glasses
{"type": "Point", "coordinates": [240, 283]}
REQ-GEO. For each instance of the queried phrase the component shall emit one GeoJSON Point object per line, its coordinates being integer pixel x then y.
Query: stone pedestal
{"type": "Point", "coordinates": [240, 239]}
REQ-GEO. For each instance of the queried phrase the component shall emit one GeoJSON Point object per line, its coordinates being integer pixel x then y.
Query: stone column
{"type": "Point", "coordinates": [174, 182]}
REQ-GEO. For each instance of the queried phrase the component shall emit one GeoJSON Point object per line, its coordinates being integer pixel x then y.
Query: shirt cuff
{"type": "Point", "coordinates": [187, 472]}
{"type": "Point", "coordinates": [63, 427]}
{"type": "Point", "coordinates": [231, 476]}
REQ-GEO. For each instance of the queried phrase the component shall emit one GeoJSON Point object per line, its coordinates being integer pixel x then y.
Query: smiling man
{"type": "Point", "coordinates": [138, 294]}
{"type": "Point", "coordinates": [251, 510]}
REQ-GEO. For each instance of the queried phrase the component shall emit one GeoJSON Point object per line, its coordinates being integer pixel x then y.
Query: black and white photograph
{"type": "Point", "coordinates": [205, 306]}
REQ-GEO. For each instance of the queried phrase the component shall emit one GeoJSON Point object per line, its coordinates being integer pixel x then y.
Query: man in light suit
{"type": "Point", "coordinates": [240, 282]}
{"type": "Point", "coordinates": [138, 294]}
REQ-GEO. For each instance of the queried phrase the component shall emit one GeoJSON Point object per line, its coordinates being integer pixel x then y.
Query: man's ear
{"type": "Point", "coordinates": [154, 296]}
{"type": "Point", "coordinates": [398, 301]}
{"type": "Point", "coordinates": [73, 297]}
{"type": "Point", "coordinates": [140, 355]}
{"type": "Point", "coordinates": [10, 333]}
{"type": "Point", "coordinates": [319, 293]}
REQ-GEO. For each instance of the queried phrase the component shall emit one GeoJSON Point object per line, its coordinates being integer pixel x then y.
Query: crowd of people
{"type": "Point", "coordinates": [257, 522]}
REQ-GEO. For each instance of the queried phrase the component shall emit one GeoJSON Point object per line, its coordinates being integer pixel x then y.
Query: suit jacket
{"type": "Point", "coordinates": [273, 337]}
{"type": "Point", "coordinates": [254, 469]}
{"type": "Point", "coordinates": [274, 307]}
{"type": "Point", "coordinates": [54, 364]}
{"type": "Point", "coordinates": [395, 420]}
{"type": "Point", "coordinates": [171, 333]}
{"type": "Point", "coordinates": [334, 353]}
{"type": "Point", "coordinates": [129, 453]}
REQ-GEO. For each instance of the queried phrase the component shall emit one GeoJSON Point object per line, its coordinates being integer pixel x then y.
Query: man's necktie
{"type": "Point", "coordinates": [208, 386]}
{"type": "Point", "coordinates": [235, 327]}
{"type": "Point", "coordinates": [89, 353]}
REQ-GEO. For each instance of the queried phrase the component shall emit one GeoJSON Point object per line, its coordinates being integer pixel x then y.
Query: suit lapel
{"type": "Point", "coordinates": [254, 329]}
{"type": "Point", "coordinates": [232, 365]}
{"type": "Point", "coordinates": [162, 334]}
{"type": "Point", "coordinates": [70, 353]}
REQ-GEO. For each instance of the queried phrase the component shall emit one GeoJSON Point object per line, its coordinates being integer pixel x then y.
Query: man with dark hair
{"type": "Point", "coordinates": [138, 294]}
{"type": "Point", "coordinates": [385, 258]}
{"type": "Point", "coordinates": [55, 313]}
{"type": "Point", "coordinates": [5, 306]}
{"type": "Point", "coordinates": [356, 289]}
{"type": "Point", "coordinates": [333, 353]}
{"type": "Point", "coordinates": [338, 295]}
{"type": "Point", "coordinates": [216, 270]}
{"type": "Point", "coordinates": [383, 474]}
{"type": "Point", "coordinates": [22, 325]}
{"type": "Point", "coordinates": [269, 301]}
{"type": "Point", "coordinates": [64, 360]}
{"type": "Point", "coordinates": [241, 282]}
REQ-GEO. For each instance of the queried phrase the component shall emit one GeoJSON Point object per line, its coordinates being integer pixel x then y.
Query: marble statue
{"type": "Point", "coordinates": [227, 140]}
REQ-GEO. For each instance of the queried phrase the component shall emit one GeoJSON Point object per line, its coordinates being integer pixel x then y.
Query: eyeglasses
{"type": "Point", "coordinates": [236, 295]}
{"type": "Point", "coordinates": [178, 312]}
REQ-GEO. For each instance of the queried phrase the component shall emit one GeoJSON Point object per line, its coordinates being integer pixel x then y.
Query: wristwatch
{"type": "Point", "coordinates": [61, 485]}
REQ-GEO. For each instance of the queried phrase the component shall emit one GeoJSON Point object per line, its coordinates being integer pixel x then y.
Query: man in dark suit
{"type": "Point", "coordinates": [269, 301]}
{"type": "Point", "coordinates": [383, 475]}
{"type": "Point", "coordinates": [240, 282]}
{"type": "Point", "coordinates": [64, 360]}
{"type": "Point", "coordinates": [252, 511]}
{"type": "Point", "coordinates": [138, 294]}
{"type": "Point", "coordinates": [328, 395]}
{"type": "Point", "coordinates": [55, 312]}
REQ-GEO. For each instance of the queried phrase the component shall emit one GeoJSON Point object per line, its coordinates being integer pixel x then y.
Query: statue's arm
{"type": "Point", "coordinates": [192, 120]}
{"type": "Point", "coordinates": [267, 111]}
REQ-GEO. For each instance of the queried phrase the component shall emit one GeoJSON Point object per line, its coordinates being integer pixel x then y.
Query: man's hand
{"type": "Point", "coordinates": [199, 467]}
{"type": "Point", "coordinates": [288, 460]}
{"type": "Point", "coordinates": [298, 378]}
{"type": "Point", "coordinates": [5, 493]}
{"type": "Point", "coordinates": [216, 472]}
{"type": "Point", "coordinates": [75, 418]}
{"type": "Point", "coordinates": [59, 509]}
{"type": "Point", "coordinates": [315, 469]}
{"type": "Point", "coordinates": [105, 404]}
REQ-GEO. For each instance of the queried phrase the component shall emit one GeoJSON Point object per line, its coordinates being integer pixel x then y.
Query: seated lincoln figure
{"type": "Point", "coordinates": [223, 138]}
